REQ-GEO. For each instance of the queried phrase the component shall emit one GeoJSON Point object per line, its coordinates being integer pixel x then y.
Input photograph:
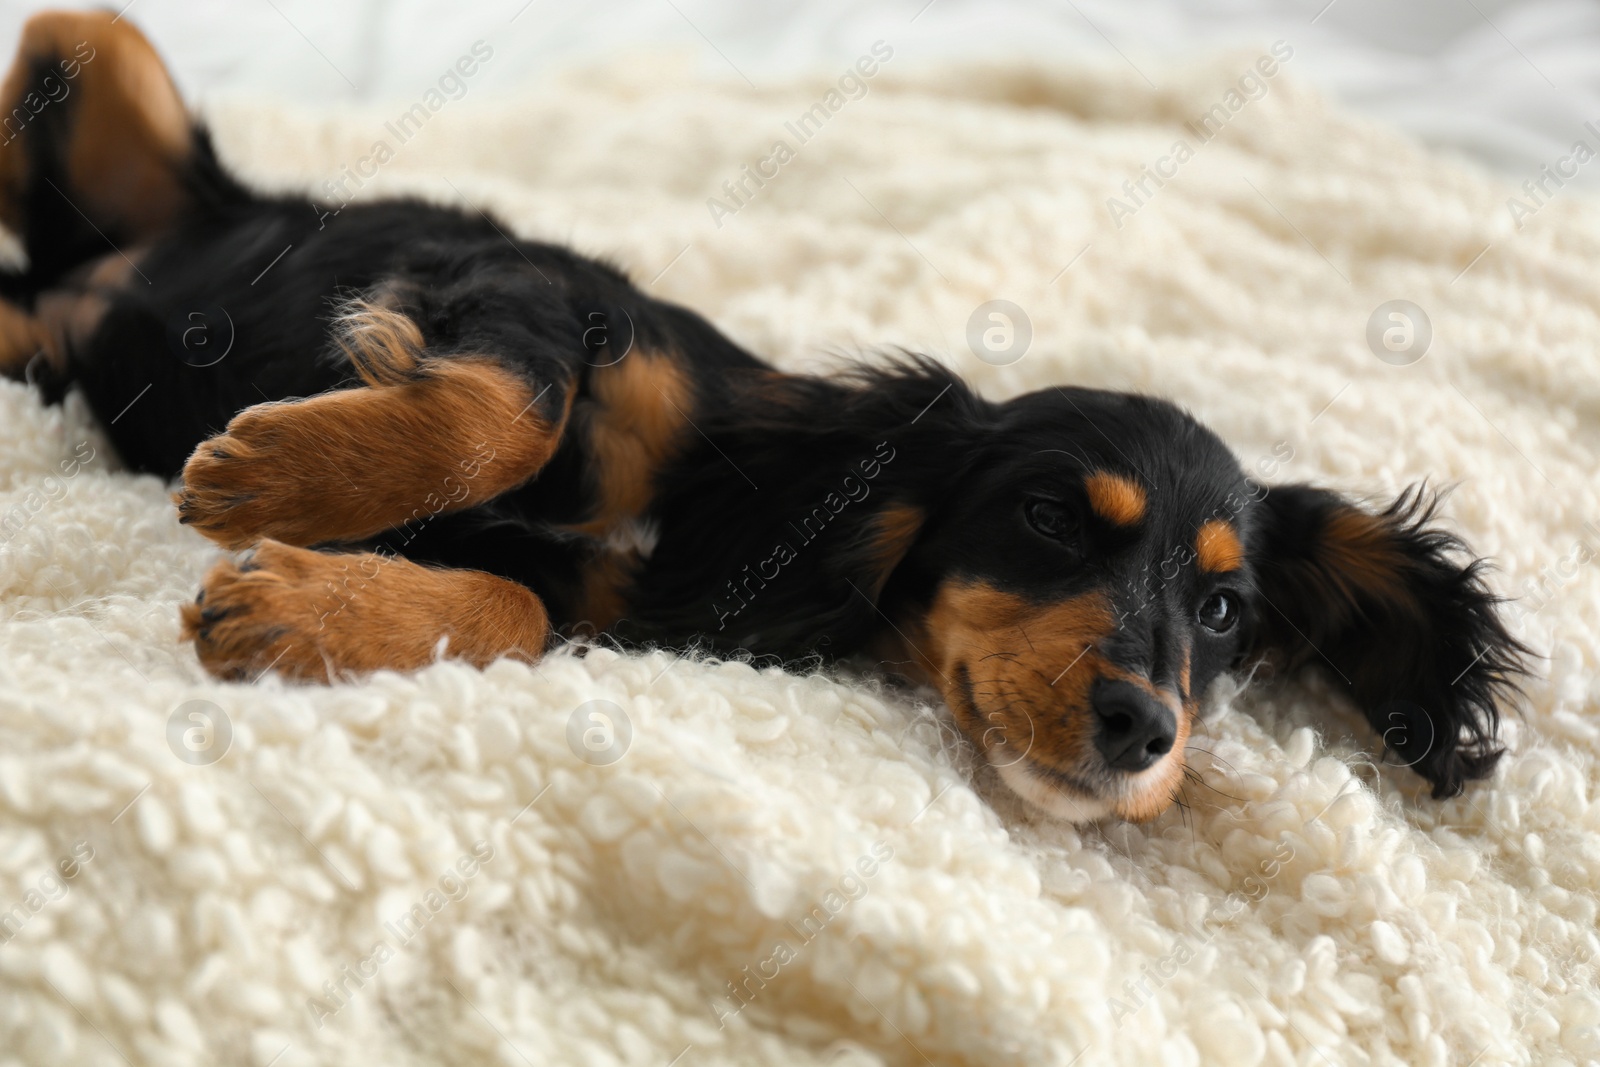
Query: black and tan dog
{"type": "Point", "coordinates": [433, 435]}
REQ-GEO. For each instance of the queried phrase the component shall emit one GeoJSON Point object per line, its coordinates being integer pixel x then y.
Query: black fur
{"type": "Point", "coordinates": [1429, 668]}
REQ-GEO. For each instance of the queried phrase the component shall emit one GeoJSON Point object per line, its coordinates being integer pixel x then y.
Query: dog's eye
{"type": "Point", "coordinates": [1051, 519]}
{"type": "Point", "coordinates": [1219, 613]}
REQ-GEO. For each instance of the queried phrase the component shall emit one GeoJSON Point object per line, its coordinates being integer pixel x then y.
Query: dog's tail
{"type": "Point", "coordinates": [98, 157]}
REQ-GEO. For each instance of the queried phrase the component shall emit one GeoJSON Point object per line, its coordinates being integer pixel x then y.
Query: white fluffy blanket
{"type": "Point", "coordinates": [784, 869]}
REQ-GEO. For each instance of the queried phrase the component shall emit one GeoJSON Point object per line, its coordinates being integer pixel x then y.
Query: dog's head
{"type": "Point", "coordinates": [1102, 558]}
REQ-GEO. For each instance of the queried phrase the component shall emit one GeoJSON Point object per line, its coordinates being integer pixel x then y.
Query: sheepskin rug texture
{"type": "Point", "coordinates": [785, 868]}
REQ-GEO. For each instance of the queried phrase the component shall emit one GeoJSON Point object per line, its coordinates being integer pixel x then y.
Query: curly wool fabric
{"type": "Point", "coordinates": [787, 869]}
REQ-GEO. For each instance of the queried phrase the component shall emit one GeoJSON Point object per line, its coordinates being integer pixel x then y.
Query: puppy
{"type": "Point", "coordinates": [429, 434]}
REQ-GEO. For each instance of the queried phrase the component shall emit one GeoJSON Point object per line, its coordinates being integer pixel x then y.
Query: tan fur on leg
{"type": "Point", "coordinates": [430, 436]}
{"type": "Point", "coordinates": [318, 615]}
{"type": "Point", "coordinates": [130, 133]}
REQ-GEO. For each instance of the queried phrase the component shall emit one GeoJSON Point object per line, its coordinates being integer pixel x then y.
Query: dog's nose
{"type": "Point", "coordinates": [1133, 728]}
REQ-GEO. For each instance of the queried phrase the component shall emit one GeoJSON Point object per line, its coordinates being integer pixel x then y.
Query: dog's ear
{"type": "Point", "coordinates": [882, 546]}
{"type": "Point", "coordinates": [1399, 612]}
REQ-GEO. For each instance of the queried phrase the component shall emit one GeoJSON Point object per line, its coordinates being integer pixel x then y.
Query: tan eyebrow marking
{"type": "Point", "coordinates": [1217, 547]}
{"type": "Point", "coordinates": [1115, 498]}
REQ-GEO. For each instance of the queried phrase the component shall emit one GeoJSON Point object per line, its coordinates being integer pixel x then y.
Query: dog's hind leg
{"type": "Point", "coordinates": [95, 141]}
{"type": "Point", "coordinates": [318, 616]}
{"type": "Point", "coordinates": [98, 158]}
{"type": "Point", "coordinates": [431, 430]}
